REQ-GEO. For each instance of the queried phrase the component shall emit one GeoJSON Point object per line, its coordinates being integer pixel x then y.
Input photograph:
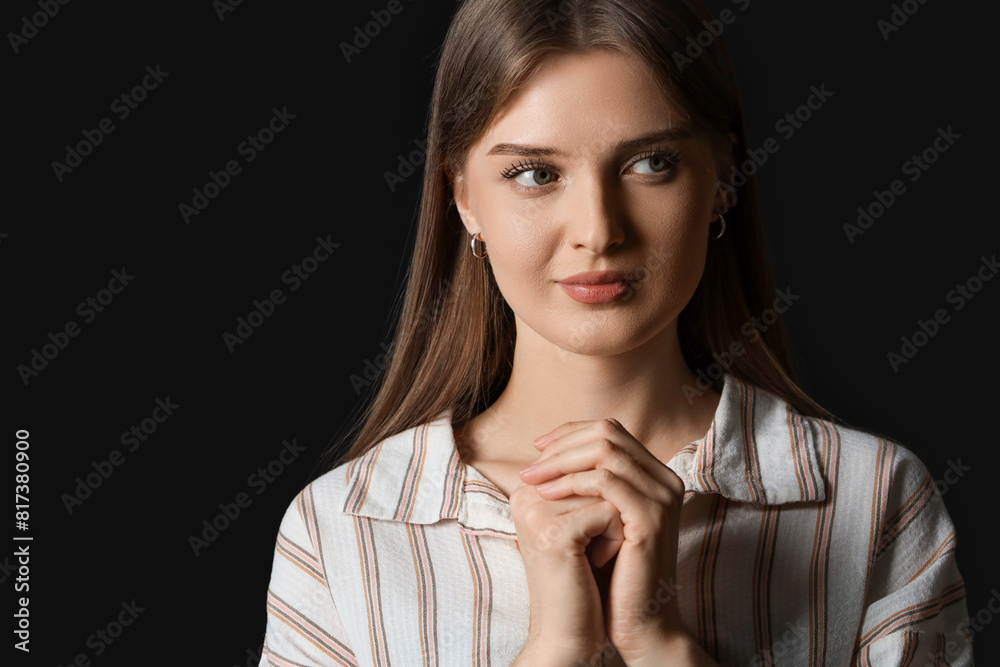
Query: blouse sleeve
{"type": "Point", "coordinates": [915, 607]}
{"type": "Point", "coordinates": [303, 625]}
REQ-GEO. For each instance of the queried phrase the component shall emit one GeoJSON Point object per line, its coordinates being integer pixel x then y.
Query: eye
{"type": "Point", "coordinates": [655, 162]}
{"type": "Point", "coordinates": [652, 165]}
{"type": "Point", "coordinates": [529, 174]}
{"type": "Point", "coordinates": [533, 177]}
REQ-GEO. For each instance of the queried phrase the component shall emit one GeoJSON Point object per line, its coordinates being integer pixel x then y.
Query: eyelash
{"type": "Point", "coordinates": [671, 156]}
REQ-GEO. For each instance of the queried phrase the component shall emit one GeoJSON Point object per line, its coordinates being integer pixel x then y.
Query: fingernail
{"type": "Point", "coordinates": [541, 439]}
{"type": "Point", "coordinates": [547, 485]}
{"type": "Point", "coordinates": [531, 466]}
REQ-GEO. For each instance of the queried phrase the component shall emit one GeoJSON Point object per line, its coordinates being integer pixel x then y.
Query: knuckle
{"type": "Point", "coordinates": [673, 481]}
{"type": "Point", "coordinates": [531, 513]}
{"type": "Point", "coordinates": [676, 485]}
{"type": "Point", "coordinates": [527, 511]}
{"type": "Point", "coordinates": [606, 508]}
{"type": "Point", "coordinates": [552, 531]}
{"type": "Point", "coordinates": [669, 499]}
{"type": "Point", "coordinates": [518, 497]}
{"type": "Point", "coordinates": [607, 448]}
{"type": "Point", "coordinates": [672, 476]}
{"type": "Point", "coordinates": [657, 512]}
{"type": "Point", "coordinates": [626, 458]}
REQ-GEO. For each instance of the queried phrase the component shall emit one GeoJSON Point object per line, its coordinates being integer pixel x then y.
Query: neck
{"type": "Point", "coordinates": [642, 388]}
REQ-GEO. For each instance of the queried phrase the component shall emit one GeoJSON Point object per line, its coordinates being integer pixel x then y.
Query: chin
{"type": "Point", "coordinates": [600, 341]}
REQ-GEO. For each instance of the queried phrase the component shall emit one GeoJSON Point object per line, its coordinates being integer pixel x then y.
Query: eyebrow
{"type": "Point", "coordinates": [670, 134]}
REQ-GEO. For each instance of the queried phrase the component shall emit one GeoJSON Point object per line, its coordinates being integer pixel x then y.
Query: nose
{"type": "Point", "coordinates": [595, 216]}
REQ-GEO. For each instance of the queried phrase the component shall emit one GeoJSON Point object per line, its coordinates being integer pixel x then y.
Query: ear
{"type": "Point", "coordinates": [725, 196]}
{"type": "Point", "coordinates": [725, 199]}
{"type": "Point", "coordinates": [460, 187]}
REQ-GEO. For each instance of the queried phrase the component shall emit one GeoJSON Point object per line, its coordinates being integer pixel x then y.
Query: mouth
{"type": "Point", "coordinates": [598, 286]}
{"type": "Point", "coordinates": [597, 278]}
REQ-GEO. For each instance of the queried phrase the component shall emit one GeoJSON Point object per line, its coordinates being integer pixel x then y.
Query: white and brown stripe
{"type": "Point", "coordinates": [801, 542]}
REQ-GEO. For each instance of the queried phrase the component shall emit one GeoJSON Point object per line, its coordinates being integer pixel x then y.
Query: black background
{"type": "Point", "coordinates": [324, 175]}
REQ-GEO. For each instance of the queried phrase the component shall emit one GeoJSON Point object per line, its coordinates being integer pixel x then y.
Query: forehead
{"type": "Point", "coordinates": [596, 97]}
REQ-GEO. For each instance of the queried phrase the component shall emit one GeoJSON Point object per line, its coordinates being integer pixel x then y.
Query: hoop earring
{"type": "Point", "coordinates": [722, 230]}
{"type": "Point", "coordinates": [472, 245]}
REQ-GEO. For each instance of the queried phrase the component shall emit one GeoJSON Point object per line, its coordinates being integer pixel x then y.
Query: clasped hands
{"type": "Point", "coordinates": [614, 503]}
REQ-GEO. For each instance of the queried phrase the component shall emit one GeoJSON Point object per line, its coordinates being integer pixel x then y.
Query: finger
{"type": "Point", "coordinates": [564, 428]}
{"type": "Point", "coordinates": [597, 455]}
{"type": "Point", "coordinates": [560, 522]}
{"type": "Point", "coordinates": [582, 525]}
{"type": "Point", "coordinates": [613, 432]}
{"type": "Point", "coordinates": [647, 515]}
{"type": "Point", "coordinates": [606, 546]}
{"type": "Point", "coordinates": [527, 495]}
{"type": "Point", "coordinates": [608, 429]}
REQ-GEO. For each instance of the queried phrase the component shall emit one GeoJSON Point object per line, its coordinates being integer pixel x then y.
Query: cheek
{"type": "Point", "coordinates": [675, 227]}
{"type": "Point", "coordinates": [520, 239]}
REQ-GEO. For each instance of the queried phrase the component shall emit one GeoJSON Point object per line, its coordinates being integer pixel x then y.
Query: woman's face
{"type": "Point", "coordinates": [589, 168]}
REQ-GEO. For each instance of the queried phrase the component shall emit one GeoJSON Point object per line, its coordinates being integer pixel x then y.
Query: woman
{"type": "Point", "coordinates": [589, 307]}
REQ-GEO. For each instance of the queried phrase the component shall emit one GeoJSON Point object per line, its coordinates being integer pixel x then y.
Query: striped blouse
{"type": "Point", "coordinates": [801, 543]}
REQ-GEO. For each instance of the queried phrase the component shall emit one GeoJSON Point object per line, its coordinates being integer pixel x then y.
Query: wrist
{"type": "Point", "coordinates": [676, 648]}
{"type": "Point", "coordinates": [535, 656]}
{"type": "Point", "coordinates": [543, 654]}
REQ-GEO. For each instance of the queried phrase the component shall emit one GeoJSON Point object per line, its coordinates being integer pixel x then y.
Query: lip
{"type": "Point", "coordinates": [596, 278]}
{"type": "Point", "coordinates": [597, 286]}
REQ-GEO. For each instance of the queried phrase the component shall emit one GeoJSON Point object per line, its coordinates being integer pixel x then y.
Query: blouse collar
{"type": "Point", "coordinates": [758, 450]}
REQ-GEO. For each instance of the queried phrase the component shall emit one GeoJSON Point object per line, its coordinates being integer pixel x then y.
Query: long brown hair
{"type": "Point", "coordinates": [454, 340]}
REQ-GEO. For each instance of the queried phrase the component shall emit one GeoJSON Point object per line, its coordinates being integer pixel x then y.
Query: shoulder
{"type": "Point", "coordinates": [323, 498]}
{"type": "Point", "coordinates": [400, 476]}
{"type": "Point", "coordinates": [315, 511]}
{"type": "Point", "coordinates": [854, 448]}
{"type": "Point", "coordinates": [872, 471]}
